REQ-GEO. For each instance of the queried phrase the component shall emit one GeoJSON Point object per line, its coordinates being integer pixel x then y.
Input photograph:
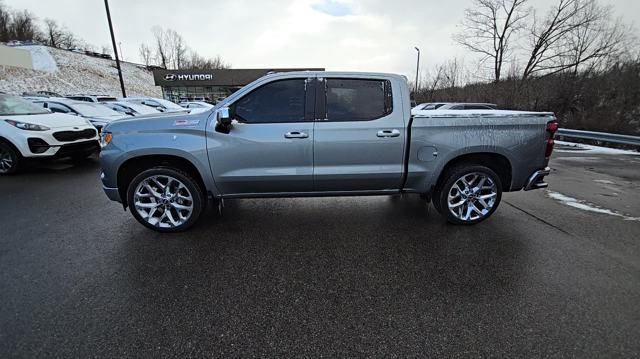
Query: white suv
{"type": "Point", "coordinates": [30, 131]}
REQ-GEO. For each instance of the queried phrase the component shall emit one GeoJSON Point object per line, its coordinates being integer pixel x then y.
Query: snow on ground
{"type": "Point", "coordinates": [589, 149]}
{"type": "Point", "coordinates": [76, 73]}
{"type": "Point", "coordinates": [586, 206]}
{"type": "Point", "coordinates": [41, 58]}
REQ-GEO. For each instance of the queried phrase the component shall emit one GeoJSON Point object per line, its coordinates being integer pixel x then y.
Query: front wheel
{"type": "Point", "coordinates": [468, 194]}
{"type": "Point", "coordinates": [9, 159]}
{"type": "Point", "coordinates": [165, 199]}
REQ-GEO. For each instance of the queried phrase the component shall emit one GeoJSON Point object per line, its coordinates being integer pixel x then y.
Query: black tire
{"type": "Point", "coordinates": [10, 159]}
{"type": "Point", "coordinates": [450, 177]}
{"type": "Point", "coordinates": [194, 190]}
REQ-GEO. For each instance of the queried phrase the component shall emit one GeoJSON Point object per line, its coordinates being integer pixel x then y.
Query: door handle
{"type": "Point", "coordinates": [388, 133]}
{"type": "Point", "coordinates": [295, 134]}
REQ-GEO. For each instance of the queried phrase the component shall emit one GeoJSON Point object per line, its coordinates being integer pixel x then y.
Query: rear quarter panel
{"type": "Point", "coordinates": [435, 141]}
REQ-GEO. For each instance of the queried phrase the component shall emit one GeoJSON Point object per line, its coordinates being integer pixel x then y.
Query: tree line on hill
{"type": "Point", "coordinates": [576, 60]}
{"type": "Point", "coordinates": [23, 26]}
{"type": "Point", "coordinates": [168, 50]}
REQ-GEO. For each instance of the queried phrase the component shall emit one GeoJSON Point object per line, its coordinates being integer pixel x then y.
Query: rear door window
{"type": "Point", "coordinates": [357, 99]}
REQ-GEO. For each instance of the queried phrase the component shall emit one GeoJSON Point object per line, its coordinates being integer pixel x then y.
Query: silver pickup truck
{"type": "Point", "coordinates": [323, 134]}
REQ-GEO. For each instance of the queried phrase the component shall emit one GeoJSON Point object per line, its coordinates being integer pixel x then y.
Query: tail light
{"type": "Point", "coordinates": [552, 128]}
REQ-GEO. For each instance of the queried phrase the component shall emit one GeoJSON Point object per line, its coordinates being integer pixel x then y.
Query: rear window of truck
{"type": "Point", "coordinates": [358, 99]}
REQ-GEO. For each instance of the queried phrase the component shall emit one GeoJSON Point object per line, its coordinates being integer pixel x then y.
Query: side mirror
{"type": "Point", "coordinates": [160, 108]}
{"type": "Point", "coordinates": [224, 117]}
{"type": "Point", "coordinates": [223, 120]}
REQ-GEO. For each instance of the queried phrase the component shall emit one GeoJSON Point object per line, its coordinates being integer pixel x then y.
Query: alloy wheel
{"type": "Point", "coordinates": [472, 196]}
{"type": "Point", "coordinates": [163, 201]}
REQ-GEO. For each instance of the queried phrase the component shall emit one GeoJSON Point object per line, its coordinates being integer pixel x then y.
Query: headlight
{"type": "Point", "coordinates": [105, 138]}
{"type": "Point", "coordinates": [27, 126]}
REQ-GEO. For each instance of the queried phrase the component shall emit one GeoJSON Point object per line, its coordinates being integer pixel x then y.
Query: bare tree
{"type": "Point", "coordinates": [176, 48]}
{"type": "Point", "coordinates": [5, 24]}
{"type": "Point", "coordinates": [161, 52]}
{"type": "Point", "coordinates": [196, 61]}
{"type": "Point", "coordinates": [23, 26]}
{"type": "Point", "coordinates": [58, 36]}
{"type": "Point", "coordinates": [573, 33]}
{"type": "Point", "coordinates": [488, 28]}
{"type": "Point", "coordinates": [146, 54]}
{"type": "Point", "coordinates": [171, 51]}
{"type": "Point", "coordinates": [599, 39]}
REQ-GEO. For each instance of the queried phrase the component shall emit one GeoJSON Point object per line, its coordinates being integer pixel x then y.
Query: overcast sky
{"type": "Point", "coordinates": [364, 35]}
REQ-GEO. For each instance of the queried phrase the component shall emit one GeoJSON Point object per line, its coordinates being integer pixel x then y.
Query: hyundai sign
{"type": "Point", "coordinates": [233, 78]}
{"type": "Point", "coordinates": [188, 77]}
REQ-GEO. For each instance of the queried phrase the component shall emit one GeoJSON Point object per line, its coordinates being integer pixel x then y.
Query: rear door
{"type": "Point", "coordinates": [269, 148]}
{"type": "Point", "coordinates": [359, 135]}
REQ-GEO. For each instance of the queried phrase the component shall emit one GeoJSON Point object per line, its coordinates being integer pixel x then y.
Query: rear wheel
{"type": "Point", "coordinates": [9, 159]}
{"type": "Point", "coordinates": [165, 199]}
{"type": "Point", "coordinates": [468, 194]}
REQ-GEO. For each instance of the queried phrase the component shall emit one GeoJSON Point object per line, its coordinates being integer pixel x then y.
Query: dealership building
{"type": "Point", "coordinates": [211, 85]}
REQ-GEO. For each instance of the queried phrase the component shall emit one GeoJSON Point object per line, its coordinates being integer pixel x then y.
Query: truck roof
{"type": "Point", "coordinates": [335, 74]}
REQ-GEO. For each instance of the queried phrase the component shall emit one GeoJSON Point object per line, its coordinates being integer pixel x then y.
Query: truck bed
{"type": "Point", "coordinates": [439, 136]}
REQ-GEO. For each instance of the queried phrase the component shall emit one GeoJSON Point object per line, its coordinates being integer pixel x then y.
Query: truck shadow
{"type": "Point", "coordinates": [330, 249]}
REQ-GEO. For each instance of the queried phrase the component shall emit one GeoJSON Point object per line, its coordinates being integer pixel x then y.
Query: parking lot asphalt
{"type": "Point", "coordinates": [332, 277]}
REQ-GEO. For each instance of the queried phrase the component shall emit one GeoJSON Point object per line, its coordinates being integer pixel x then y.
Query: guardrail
{"type": "Point", "coordinates": [600, 136]}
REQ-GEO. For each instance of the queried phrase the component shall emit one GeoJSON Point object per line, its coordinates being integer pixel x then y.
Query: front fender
{"type": "Point", "coordinates": [186, 143]}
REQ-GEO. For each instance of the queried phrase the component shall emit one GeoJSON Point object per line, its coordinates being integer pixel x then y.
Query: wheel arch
{"type": "Point", "coordinates": [133, 166]}
{"type": "Point", "coordinates": [497, 162]}
{"type": "Point", "coordinates": [8, 141]}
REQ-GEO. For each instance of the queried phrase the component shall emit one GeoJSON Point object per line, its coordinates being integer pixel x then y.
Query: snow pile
{"type": "Point", "coordinates": [594, 150]}
{"type": "Point", "coordinates": [76, 73]}
{"type": "Point", "coordinates": [41, 58]}
{"type": "Point", "coordinates": [585, 206]}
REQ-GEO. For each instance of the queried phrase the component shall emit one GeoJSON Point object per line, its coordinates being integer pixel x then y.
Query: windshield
{"type": "Point", "coordinates": [142, 109]}
{"type": "Point", "coordinates": [168, 104]}
{"type": "Point", "coordinates": [14, 105]}
{"type": "Point", "coordinates": [89, 109]}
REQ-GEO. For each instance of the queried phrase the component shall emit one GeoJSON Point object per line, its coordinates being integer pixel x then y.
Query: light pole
{"type": "Point", "coordinates": [115, 48]}
{"type": "Point", "coordinates": [417, 70]}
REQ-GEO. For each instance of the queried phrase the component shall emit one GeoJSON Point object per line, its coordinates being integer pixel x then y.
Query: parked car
{"type": "Point", "coordinates": [130, 108]}
{"type": "Point", "coordinates": [91, 98]}
{"type": "Point", "coordinates": [196, 106]}
{"type": "Point", "coordinates": [159, 104]}
{"type": "Point", "coordinates": [41, 94]}
{"type": "Point", "coordinates": [467, 106]}
{"type": "Point", "coordinates": [422, 106]}
{"type": "Point", "coordinates": [323, 134]}
{"type": "Point", "coordinates": [453, 106]}
{"type": "Point", "coordinates": [97, 114]}
{"type": "Point", "coordinates": [30, 131]}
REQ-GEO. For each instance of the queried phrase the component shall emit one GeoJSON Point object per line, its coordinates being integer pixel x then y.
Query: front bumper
{"type": "Point", "coordinates": [112, 193]}
{"type": "Point", "coordinates": [44, 144]}
{"type": "Point", "coordinates": [43, 149]}
{"type": "Point", "coordinates": [536, 180]}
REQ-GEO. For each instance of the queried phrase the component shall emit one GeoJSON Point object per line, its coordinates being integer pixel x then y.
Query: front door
{"type": "Point", "coordinates": [359, 135]}
{"type": "Point", "coordinates": [269, 148]}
